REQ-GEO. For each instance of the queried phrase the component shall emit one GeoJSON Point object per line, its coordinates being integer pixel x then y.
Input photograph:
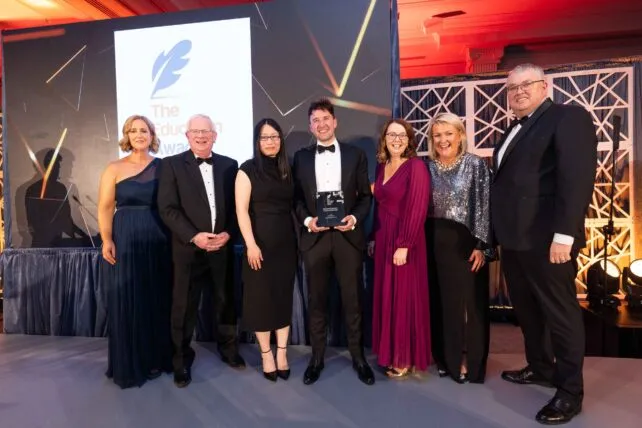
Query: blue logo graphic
{"type": "Point", "coordinates": [168, 65]}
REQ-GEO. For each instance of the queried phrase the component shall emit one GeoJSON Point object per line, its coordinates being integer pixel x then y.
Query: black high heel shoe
{"type": "Point", "coordinates": [283, 374]}
{"type": "Point", "coordinates": [271, 376]}
{"type": "Point", "coordinates": [463, 378]}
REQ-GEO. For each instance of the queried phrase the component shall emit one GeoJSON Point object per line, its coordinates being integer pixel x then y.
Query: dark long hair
{"type": "Point", "coordinates": [283, 165]}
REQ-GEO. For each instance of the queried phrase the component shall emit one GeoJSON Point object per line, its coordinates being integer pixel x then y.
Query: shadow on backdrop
{"type": "Point", "coordinates": [43, 211]}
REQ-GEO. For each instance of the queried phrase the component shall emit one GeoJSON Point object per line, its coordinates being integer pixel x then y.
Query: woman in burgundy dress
{"type": "Point", "coordinates": [401, 319]}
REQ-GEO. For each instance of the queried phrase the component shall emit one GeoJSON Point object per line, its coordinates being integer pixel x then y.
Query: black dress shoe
{"type": "Point", "coordinates": [235, 361]}
{"type": "Point", "coordinates": [153, 374]}
{"type": "Point", "coordinates": [364, 372]}
{"type": "Point", "coordinates": [182, 378]}
{"type": "Point", "coordinates": [313, 372]}
{"type": "Point", "coordinates": [525, 376]}
{"type": "Point", "coordinates": [559, 411]}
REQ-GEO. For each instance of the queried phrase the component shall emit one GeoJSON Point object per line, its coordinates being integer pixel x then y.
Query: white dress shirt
{"type": "Point", "coordinates": [328, 169]}
{"type": "Point", "coordinates": [328, 172]}
{"type": "Point", "coordinates": [207, 171]}
{"type": "Point", "coordinates": [559, 238]}
{"type": "Point", "coordinates": [507, 142]}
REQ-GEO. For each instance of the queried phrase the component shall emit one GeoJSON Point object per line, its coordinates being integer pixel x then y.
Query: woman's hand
{"type": "Point", "coordinates": [371, 245]}
{"type": "Point", "coordinates": [109, 252]}
{"type": "Point", "coordinates": [477, 259]}
{"type": "Point", "coordinates": [400, 257]}
{"type": "Point", "coordinates": [254, 257]}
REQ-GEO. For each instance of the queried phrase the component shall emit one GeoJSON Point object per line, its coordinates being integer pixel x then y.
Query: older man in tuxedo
{"type": "Point", "coordinates": [542, 185]}
{"type": "Point", "coordinates": [331, 166]}
{"type": "Point", "coordinates": [196, 202]}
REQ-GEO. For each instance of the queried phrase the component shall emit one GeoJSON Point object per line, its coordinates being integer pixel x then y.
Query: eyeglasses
{"type": "Point", "coordinates": [265, 138]}
{"type": "Point", "coordinates": [392, 136]}
{"type": "Point", "coordinates": [524, 86]}
{"type": "Point", "coordinates": [200, 131]}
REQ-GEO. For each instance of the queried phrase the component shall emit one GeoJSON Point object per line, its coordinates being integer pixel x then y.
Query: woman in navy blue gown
{"type": "Point", "coordinates": [137, 246]}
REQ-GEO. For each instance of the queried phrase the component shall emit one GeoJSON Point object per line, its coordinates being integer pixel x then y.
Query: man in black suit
{"type": "Point", "coordinates": [330, 166]}
{"type": "Point", "coordinates": [542, 185]}
{"type": "Point", "coordinates": [196, 202]}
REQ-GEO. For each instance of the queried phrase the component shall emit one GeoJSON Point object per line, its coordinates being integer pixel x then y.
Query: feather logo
{"type": "Point", "coordinates": [168, 65]}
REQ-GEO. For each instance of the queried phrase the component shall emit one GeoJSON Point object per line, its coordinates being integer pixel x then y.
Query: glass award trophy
{"type": "Point", "coordinates": [330, 209]}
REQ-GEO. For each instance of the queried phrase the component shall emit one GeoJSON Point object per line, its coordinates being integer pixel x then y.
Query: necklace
{"type": "Point", "coordinates": [449, 167]}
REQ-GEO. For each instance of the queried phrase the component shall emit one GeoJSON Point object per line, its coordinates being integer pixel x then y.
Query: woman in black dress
{"type": "Point", "coordinates": [264, 193]}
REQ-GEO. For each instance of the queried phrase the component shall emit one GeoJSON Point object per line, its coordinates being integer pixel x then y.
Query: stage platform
{"type": "Point", "coordinates": [58, 382]}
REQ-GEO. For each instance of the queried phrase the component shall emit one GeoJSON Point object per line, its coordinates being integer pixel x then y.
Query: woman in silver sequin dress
{"type": "Point", "coordinates": [459, 244]}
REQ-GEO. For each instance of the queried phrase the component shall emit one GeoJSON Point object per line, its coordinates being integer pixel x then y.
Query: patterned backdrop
{"type": "Point", "coordinates": [482, 104]}
{"type": "Point", "coordinates": [483, 107]}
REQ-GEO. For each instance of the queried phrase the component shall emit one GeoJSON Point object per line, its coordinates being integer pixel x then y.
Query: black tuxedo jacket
{"type": "Point", "coordinates": [354, 184]}
{"type": "Point", "coordinates": [183, 203]}
{"type": "Point", "coordinates": [545, 180]}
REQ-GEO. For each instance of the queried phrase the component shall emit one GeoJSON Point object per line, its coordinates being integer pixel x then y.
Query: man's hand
{"type": "Point", "coordinates": [218, 241]}
{"type": "Point", "coordinates": [312, 226]}
{"type": "Point", "coordinates": [560, 253]}
{"type": "Point", "coordinates": [201, 239]}
{"type": "Point", "coordinates": [348, 224]}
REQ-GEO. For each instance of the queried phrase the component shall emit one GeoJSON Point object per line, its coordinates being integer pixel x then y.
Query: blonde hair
{"type": "Point", "coordinates": [126, 145]}
{"type": "Point", "coordinates": [447, 119]}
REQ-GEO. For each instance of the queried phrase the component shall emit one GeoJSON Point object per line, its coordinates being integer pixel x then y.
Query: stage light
{"type": "Point", "coordinates": [635, 270]}
{"type": "Point", "coordinates": [612, 276]}
{"type": "Point", "coordinates": [603, 285]}
{"type": "Point", "coordinates": [632, 284]}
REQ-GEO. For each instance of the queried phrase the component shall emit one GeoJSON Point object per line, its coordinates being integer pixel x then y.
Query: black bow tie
{"type": "Point", "coordinates": [201, 160]}
{"type": "Point", "coordinates": [521, 121]}
{"type": "Point", "coordinates": [321, 149]}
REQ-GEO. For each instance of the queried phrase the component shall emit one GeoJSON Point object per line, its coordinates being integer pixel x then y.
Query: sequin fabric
{"type": "Point", "coordinates": [461, 193]}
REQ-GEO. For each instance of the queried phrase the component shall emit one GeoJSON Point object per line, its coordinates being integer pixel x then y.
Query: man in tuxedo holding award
{"type": "Point", "coordinates": [542, 185]}
{"type": "Point", "coordinates": [332, 200]}
{"type": "Point", "coordinates": [196, 202]}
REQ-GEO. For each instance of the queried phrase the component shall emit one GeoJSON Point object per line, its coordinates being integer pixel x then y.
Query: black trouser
{"type": "Point", "coordinates": [544, 297]}
{"type": "Point", "coordinates": [459, 300]}
{"type": "Point", "coordinates": [190, 277]}
{"type": "Point", "coordinates": [334, 251]}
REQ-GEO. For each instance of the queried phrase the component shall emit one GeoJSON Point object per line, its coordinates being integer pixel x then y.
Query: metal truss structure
{"type": "Point", "coordinates": [604, 92]}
